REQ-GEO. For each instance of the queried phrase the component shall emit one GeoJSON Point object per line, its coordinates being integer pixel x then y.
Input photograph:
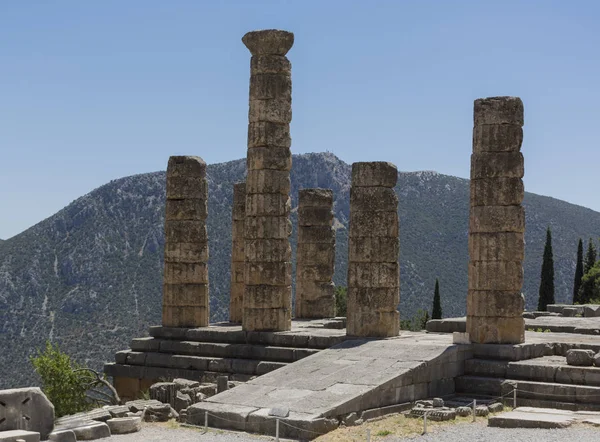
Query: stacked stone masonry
{"type": "Point", "coordinates": [497, 223]}
{"type": "Point", "coordinates": [185, 285]}
{"type": "Point", "coordinates": [267, 300]}
{"type": "Point", "coordinates": [315, 257]}
{"type": "Point", "coordinates": [236, 307]}
{"type": "Point", "coordinates": [373, 248]}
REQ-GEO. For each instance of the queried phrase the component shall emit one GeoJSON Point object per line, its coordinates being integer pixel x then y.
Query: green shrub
{"type": "Point", "coordinates": [65, 387]}
{"type": "Point", "coordinates": [341, 300]}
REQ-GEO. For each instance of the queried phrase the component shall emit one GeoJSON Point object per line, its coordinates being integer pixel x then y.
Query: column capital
{"type": "Point", "coordinates": [268, 42]}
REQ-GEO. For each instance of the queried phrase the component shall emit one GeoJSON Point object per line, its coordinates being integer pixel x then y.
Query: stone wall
{"type": "Point", "coordinates": [373, 248]}
{"type": "Point", "coordinates": [315, 257]}
{"type": "Point", "coordinates": [185, 285]}
{"type": "Point", "coordinates": [497, 223]}
{"type": "Point", "coordinates": [268, 268]}
{"type": "Point", "coordinates": [236, 306]}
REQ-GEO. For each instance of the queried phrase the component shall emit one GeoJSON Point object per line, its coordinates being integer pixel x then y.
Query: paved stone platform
{"type": "Point", "coordinates": [351, 377]}
{"type": "Point", "coordinates": [556, 324]}
{"type": "Point", "coordinates": [531, 417]}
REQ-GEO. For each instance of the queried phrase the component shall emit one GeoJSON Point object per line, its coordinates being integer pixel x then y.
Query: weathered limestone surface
{"type": "Point", "coordinates": [267, 298]}
{"type": "Point", "coordinates": [185, 285]}
{"type": "Point", "coordinates": [315, 257]}
{"type": "Point", "coordinates": [236, 306]}
{"type": "Point", "coordinates": [351, 377]}
{"type": "Point", "coordinates": [497, 223]}
{"type": "Point", "coordinates": [26, 409]}
{"type": "Point", "coordinates": [373, 270]}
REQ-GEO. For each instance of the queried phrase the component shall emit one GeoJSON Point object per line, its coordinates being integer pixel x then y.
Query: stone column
{"type": "Point", "coordinates": [185, 285]}
{"type": "Point", "coordinates": [373, 248]}
{"type": "Point", "coordinates": [268, 268]}
{"type": "Point", "coordinates": [315, 256]}
{"type": "Point", "coordinates": [236, 306]}
{"type": "Point", "coordinates": [497, 223]}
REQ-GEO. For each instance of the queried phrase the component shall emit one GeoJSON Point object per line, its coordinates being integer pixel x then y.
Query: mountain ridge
{"type": "Point", "coordinates": [92, 272]}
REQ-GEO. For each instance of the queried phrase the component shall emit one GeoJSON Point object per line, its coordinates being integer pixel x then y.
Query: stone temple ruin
{"type": "Point", "coordinates": [317, 371]}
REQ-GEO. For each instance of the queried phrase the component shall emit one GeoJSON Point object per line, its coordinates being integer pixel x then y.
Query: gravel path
{"type": "Point", "coordinates": [483, 433]}
{"type": "Point", "coordinates": [162, 433]}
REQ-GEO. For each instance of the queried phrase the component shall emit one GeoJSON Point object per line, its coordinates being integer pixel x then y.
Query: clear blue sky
{"type": "Point", "coordinates": [93, 91]}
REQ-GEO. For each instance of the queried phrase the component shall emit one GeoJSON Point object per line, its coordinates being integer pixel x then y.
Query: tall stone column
{"type": "Point", "coordinates": [236, 306]}
{"type": "Point", "coordinates": [268, 268]}
{"type": "Point", "coordinates": [497, 223]}
{"type": "Point", "coordinates": [185, 284]}
{"type": "Point", "coordinates": [373, 248]}
{"type": "Point", "coordinates": [315, 256]}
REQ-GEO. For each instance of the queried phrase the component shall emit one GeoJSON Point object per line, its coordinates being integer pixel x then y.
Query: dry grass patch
{"type": "Point", "coordinates": [395, 426]}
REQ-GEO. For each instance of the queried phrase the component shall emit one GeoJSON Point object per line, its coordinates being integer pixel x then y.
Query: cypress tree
{"type": "Point", "coordinates": [547, 281]}
{"type": "Point", "coordinates": [590, 257]}
{"type": "Point", "coordinates": [578, 273]}
{"type": "Point", "coordinates": [436, 312]}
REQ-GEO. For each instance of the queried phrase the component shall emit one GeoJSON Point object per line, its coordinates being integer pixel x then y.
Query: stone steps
{"type": "Point", "coordinates": [217, 349]}
{"type": "Point", "coordinates": [549, 369]}
{"type": "Point", "coordinates": [532, 393]}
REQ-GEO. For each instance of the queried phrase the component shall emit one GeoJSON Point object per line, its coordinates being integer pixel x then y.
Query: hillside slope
{"type": "Point", "coordinates": [89, 277]}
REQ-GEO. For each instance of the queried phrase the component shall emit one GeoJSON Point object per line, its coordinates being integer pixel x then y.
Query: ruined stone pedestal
{"type": "Point", "coordinates": [185, 284]}
{"type": "Point", "coordinates": [315, 257]}
{"type": "Point", "coordinates": [236, 307]}
{"type": "Point", "coordinates": [497, 223]}
{"type": "Point", "coordinates": [268, 268]}
{"type": "Point", "coordinates": [373, 248]}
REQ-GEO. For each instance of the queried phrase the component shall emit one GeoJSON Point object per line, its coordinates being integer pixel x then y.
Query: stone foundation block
{"type": "Point", "coordinates": [265, 133]}
{"type": "Point", "coordinates": [267, 227]}
{"type": "Point", "coordinates": [185, 231]}
{"type": "Point", "coordinates": [268, 181]}
{"type": "Point", "coordinates": [193, 295]}
{"type": "Point", "coordinates": [275, 111]}
{"type": "Point", "coordinates": [19, 436]}
{"type": "Point", "coordinates": [319, 307]}
{"type": "Point", "coordinates": [26, 409]}
{"type": "Point", "coordinates": [184, 187]}
{"type": "Point", "coordinates": [267, 319]}
{"type": "Point", "coordinates": [186, 252]}
{"type": "Point", "coordinates": [274, 158]}
{"type": "Point", "coordinates": [498, 110]}
{"type": "Point", "coordinates": [489, 165]}
{"type": "Point", "coordinates": [268, 250]}
{"type": "Point", "coordinates": [372, 199]}
{"type": "Point", "coordinates": [373, 249]}
{"type": "Point", "coordinates": [187, 209]}
{"type": "Point", "coordinates": [186, 273]}
{"type": "Point", "coordinates": [186, 166]}
{"type": "Point", "coordinates": [502, 246]}
{"type": "Point", "coordinates": [323, 252]}
{"type": "Point", "coordinates": [270, 86]}
{"type": "Point", "coordinates": [496, 275]}
{"type": "Point", "coordinates": [497, 192]}
{"type": "Point", "coordinates": [374, 174]}
{"type": "Point", "coordinates": [315, 197]}
{"type": "Point", "coordinates": [378, 274]}
{"type": "Point", "coordinates": [496, 330]}
{"type": "Point", "coordinates": [175, 316]}
{"type": "Point", "coordinates": [315, 216]}
{"type": "Point", "coordinates": [365, 322]}
{"type": "Point", "coordinates": [269, 64]}
{"type": "Point", "coordinates": [269, 273]}
{"type": "Point", "coordinates": [378, 299]}
{"type": "Point", "coordinates": [497, 138]}
{"type": "Point", "coordinates": [267, 296]}
{"type": "Point", "coordinates": [381, 223]}
{"type": "Point", "coordinates": [316, 234]}
{"type": "Point", "coordinates": [495, 303]}
{"type": "Point", "coordinates": [267, 204]}
{"type": "Point", "coordinates": [493, 219]}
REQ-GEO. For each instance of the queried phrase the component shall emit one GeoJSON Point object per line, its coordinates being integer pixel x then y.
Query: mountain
{"type": "Point", "coordinates": [89, 277]}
